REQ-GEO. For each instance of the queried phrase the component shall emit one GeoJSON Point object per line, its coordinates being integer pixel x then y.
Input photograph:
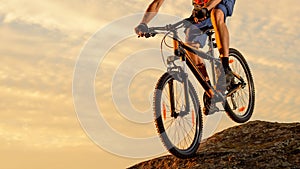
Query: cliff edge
{"type": "Point", "coordinates": [256, 144]}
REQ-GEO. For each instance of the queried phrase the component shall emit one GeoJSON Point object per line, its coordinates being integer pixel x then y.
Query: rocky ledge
{"type": "Point", "coordinates": [256, 144]}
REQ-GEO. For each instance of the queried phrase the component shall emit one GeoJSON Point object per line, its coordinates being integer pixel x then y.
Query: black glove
{"type": "Point", "coordinates": [141, 29]}
{"type": "Point", "coordinates": [201, 14]}
{"type": "Point", "coordinates": [190, 19]}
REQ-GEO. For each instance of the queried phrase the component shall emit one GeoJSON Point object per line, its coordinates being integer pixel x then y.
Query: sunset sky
{"type": "Point", "coordinates": [43, 120]}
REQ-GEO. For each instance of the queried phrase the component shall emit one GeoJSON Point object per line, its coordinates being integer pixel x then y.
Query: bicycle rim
{"type": "Point", "coordinates": [239, 106]}
{"type": "Point", "coordinates": [181, 135]}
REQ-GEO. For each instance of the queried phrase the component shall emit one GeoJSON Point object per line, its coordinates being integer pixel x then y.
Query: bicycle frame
{"type": "Point", "coordinates": [180, 50]}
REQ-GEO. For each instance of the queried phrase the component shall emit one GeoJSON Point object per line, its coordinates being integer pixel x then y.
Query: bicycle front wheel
{"type": "Point", "coordinates": [239, 103]}
{"type": "Point", "coordinates": [180, 130]}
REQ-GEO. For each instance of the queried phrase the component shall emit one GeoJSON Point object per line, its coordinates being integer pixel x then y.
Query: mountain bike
{"type": "Point", "coordinates": [177, 111]}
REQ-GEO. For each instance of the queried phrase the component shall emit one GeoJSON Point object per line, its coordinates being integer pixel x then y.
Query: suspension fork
{"type": "Point", "coordinates": [185, 81]}
{"type": "Point", "coordinates": [172, 98]}
{"type": "Point", "coordinates": [182, 72]}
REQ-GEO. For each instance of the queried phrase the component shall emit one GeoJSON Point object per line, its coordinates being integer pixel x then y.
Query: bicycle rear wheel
{"type": "Point", "coordinates": [240, 102]}
{"type": "Point", "coordinates": [180, 132]}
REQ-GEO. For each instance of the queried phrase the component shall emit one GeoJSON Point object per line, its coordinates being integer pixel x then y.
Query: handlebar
{"type": "Point", "coordinates": [152, 31]}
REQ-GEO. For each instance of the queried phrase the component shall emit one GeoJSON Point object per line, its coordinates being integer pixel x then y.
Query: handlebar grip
{"type": "Point", "coordinates": [148, 35]}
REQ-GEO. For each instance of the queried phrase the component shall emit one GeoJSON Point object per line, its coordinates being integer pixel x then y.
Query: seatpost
{"type": "Point", "coordinates": [211, 53]}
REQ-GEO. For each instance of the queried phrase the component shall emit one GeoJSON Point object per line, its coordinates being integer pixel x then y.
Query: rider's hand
{"type": "Point", "coordinates": [200, 14]}
{"type": "Point", "coordinates": [141, 29]}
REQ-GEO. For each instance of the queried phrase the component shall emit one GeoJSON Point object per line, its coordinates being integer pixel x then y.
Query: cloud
{"type": "Point", "coordinates": [73, 17]}
{"type": "Point", "coordinates": [36, 78]}
{"type": "Point", "coordinates": [58, 15]}
{"type": "Point", "coordinates": [262, 31]}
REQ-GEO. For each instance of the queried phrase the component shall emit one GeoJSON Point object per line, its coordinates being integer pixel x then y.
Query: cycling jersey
{"type": "Point", "coordinates": [200, 2]}
{"type": "Point", "coordinates": [193, 35]}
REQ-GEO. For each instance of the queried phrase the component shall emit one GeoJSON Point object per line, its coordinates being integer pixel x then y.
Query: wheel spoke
{"type": "Point", "coordinates": [182, 129]}
{"type": "Point", "coordinates": [240, 105]}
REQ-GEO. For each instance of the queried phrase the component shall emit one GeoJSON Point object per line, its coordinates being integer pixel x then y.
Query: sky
{"type": "Point", "coordinates": [52, 50]}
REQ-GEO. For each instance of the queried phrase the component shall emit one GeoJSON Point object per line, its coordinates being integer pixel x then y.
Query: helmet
{"type": "Point", "coordinates": [200, 2]}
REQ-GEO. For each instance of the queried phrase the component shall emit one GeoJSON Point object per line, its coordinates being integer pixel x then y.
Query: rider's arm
{"type": "Point", "coordinates": [152, 11]}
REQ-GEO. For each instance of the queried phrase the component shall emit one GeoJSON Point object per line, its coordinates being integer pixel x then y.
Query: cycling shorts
{"type": "Point", "coordinates": [226, 6]}
{"type": "Point", "coordinates": [194, 34]}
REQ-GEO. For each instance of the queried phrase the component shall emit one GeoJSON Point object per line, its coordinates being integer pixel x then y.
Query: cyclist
{"type": "Point", "coordinates": [206, 13]}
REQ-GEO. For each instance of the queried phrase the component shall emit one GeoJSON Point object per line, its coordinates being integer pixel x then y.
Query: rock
{"type": "Point", "coordinates": [256, 144]}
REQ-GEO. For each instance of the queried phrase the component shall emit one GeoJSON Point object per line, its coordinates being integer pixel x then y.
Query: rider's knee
{"type": "Point", "coordinates": [219, 16]}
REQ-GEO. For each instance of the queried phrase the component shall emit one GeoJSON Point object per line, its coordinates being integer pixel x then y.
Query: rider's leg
{"type": "Point", "coordinates": [221, 32]}
{"type": "Point", "coordinates": [218, 16]}
{"type": "Point", "coordinates": [199, 62]}
{"type": "Point", "coordinates": [222, 38]}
